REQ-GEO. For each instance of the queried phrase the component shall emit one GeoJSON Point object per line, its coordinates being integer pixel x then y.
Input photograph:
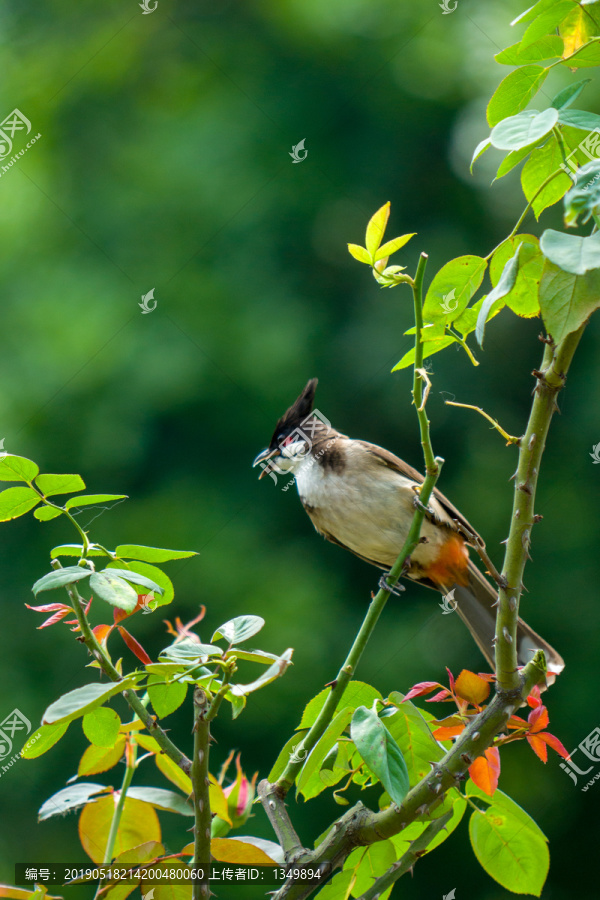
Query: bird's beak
{"type": "Point", "coordinates": [263, 456]}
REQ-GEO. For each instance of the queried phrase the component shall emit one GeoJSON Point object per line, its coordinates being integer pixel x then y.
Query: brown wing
{"type": "Point", "coordinates": [394, 462]}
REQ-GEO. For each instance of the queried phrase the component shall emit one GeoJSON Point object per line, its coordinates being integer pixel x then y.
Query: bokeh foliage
{"type": "Point", "coordinates": [164, 163]}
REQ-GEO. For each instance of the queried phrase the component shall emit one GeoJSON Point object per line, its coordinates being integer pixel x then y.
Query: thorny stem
{"type": "Point", "coordinates": [201, 797]}
{"type": "Point", "coordinates": [550, 379]}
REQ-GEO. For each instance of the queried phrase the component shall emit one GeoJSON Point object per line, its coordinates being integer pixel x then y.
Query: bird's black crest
{"type": "Point", "coordinates": [296, 414]}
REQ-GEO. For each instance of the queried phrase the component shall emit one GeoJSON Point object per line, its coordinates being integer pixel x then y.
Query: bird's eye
{"type": "Point", "coordinates": [280, 438]}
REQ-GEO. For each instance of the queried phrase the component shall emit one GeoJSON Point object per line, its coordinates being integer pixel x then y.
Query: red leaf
{"type": "Point", "coordinates": [538, 719]}
{"type": "Point", "coordinates": [450, 679]}
{"type": "Point", "coordinates": [487, 676]}
{"type": "Point", "coordinates": [534, 698]}
{"type": "Point", "coordinates": [444, 732]}
{"type": "Point", "coordinates": [102, 632]}
{"type": "Point", "coordinates": [134, 646]}
{"type": "Point", "coordinates": [485, 771]}
{"type": "Point", "coordinates": [50, 607]}
{"type": "Point", "coordinates": [120, 614]}
{"type": "Point", "coordinates": [441, 695]}
{"type": "Point", "coordinates": [517, 722]}
{"type": "Point", "coordinates": [423, 687]}
{"type": "Point", "coordinates": [538, 746]}
{"type": "Point", "coordinates": [55, 618]}
{"type": "Point", "coordinates": [553, 742]}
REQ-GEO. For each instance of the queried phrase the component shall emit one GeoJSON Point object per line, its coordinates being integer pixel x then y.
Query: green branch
{"type": "Point", "coordinates": [550, 380]}
{"type": "Point", "coordinates": [201, 797]}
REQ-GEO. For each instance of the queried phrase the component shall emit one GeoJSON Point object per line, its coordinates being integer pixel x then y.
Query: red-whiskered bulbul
{"type": "Point", "coordinates": [362, 497]}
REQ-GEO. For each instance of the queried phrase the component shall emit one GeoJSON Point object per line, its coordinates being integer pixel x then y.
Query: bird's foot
{"type": "Point", "coordinates": [426, 509]}
{"type": "Point", "coordinates": [392, 588]}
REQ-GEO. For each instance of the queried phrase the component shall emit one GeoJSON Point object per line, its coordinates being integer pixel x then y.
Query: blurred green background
{"type": "Point", "coordinates": [164, 163]}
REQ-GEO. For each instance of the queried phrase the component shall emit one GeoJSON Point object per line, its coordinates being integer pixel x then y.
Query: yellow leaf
{"type": "Point", "coordinates": [139, 823]}
{"type": "Point", "coordinates": [218, 802]}
{"type": "Point", "coordinates": [376, 228]}
{"type": "Point", "coordinates": [471, 687]}
{"type": "Point", "coordinates": [575, 31]}
{"type": "Point", "coordinates": [232, 851]}
{"type": "Point", "coordinates": [100, 759]}
{"type": "Point", "coordinates": [359, 253]}
{"type": "Point", "coordinates": [172, 771]}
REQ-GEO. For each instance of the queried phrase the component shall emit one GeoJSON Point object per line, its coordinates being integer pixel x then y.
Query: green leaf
{"type": "Point", "coordinates": [429, 348]}
{"type": "Point", "coordinates": [452, 288]}
{"type": "Point", "coordinates": [369, 863]}
{"type": "Point", "coordinates": [356, 694]}
{"type": "Point", "coordinates": [548, 47]}
{"type": "Point", "coordinates": [134, 577]}
{"type": "Point", "coordinates": [60, 577]}
{"type": "Point", "coordinates": [237, 630]}
{"type": "Point", "coordinates": [114, 590]}
{"type": "Point", "coordinates": [579, 118]}
{"type": "Point", "coordinates": [101, 726]}
{"type": "Point", "coordinates": [380, 752]}
{"type": "Point", "coordinates": [45, 513]}
{"type": "Point", "coordinates": [391, 246]}
{"type": "Point", "coordinates": [16, 501]}
{"type": "Point", "coordinates": [73, 550]}
{"type": "Point", "coordinates": [17, 468]}
{"type": "Point", "coordinates": [187, 651]}
{"type": "Point", "coordinates": [413, 736]}
{"type": "Point", "coordinates": [506, 284]}
{"type": "Point", "coordinates": [503, 801]}
{"type": "Point", "coordinates": [565, 97]}
{"type": "Point", "coordinates": [479, 150]}
{"type": "Point", "coordinates": [59, 484]}
{"type": "Point", "coordinates": [151, 554]}
{"type": "Point", "coordinates": [584, 197]}
{"type": "Point", "coordinates": [165, 698]}
{"type": "Point", "coordinates": [566, 300]}
{"type": "Point", "coordinates": [153, 573]}
{"type": "Point", "coordinates": [258, 656]}
{"type": "Point", "coordinates": [514, 92]}
{"type": "Point", "coordinates": [510, 848]}
{"type": "Point", "coordinates": [542, 163]}
{"type": "Point", "coordinates": [273, 672]}
{"type": "Point", "coordinates": [523, 298]}
{"type": "Point", "coordinates": [44, 738]}
{"type": "Point", "coordinates": [82, 700]}
{"type": "Point", "coordinates": [359, 253]}
{"type": "Point", "coordinates": [68, 798]}
{"type": "Point", "coordinates": [316, 757]}
{"type": "Point", "coordinates": [511, 160]}
{"type": "Point", "coordinates": [162, 799]}
{"type": "Point", "coordinates": [546, 22]}
{"type": "Point", "coordinates": [376, 229]}
{"type": "Point", "coordinates": [524, 129]}
{"type": "Point", "coordinates": [586, 56]}
{"type": "Point", "coordinates": [571, 253]}
{"type": "Point", "coordinates": [92, 500]}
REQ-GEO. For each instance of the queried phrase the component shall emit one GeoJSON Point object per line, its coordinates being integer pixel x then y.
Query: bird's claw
{"type": "Point", "coordinates": [419, 505]}
{"type": "Point", "coordinates": [392, 589]}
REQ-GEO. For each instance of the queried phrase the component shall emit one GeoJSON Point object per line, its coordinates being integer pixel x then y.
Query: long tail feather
{"type": "Point", "coordinates": [474, 604]}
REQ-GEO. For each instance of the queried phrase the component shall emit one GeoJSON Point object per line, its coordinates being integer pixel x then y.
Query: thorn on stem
{"type": "Point", "coordinates": [506, 635]}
